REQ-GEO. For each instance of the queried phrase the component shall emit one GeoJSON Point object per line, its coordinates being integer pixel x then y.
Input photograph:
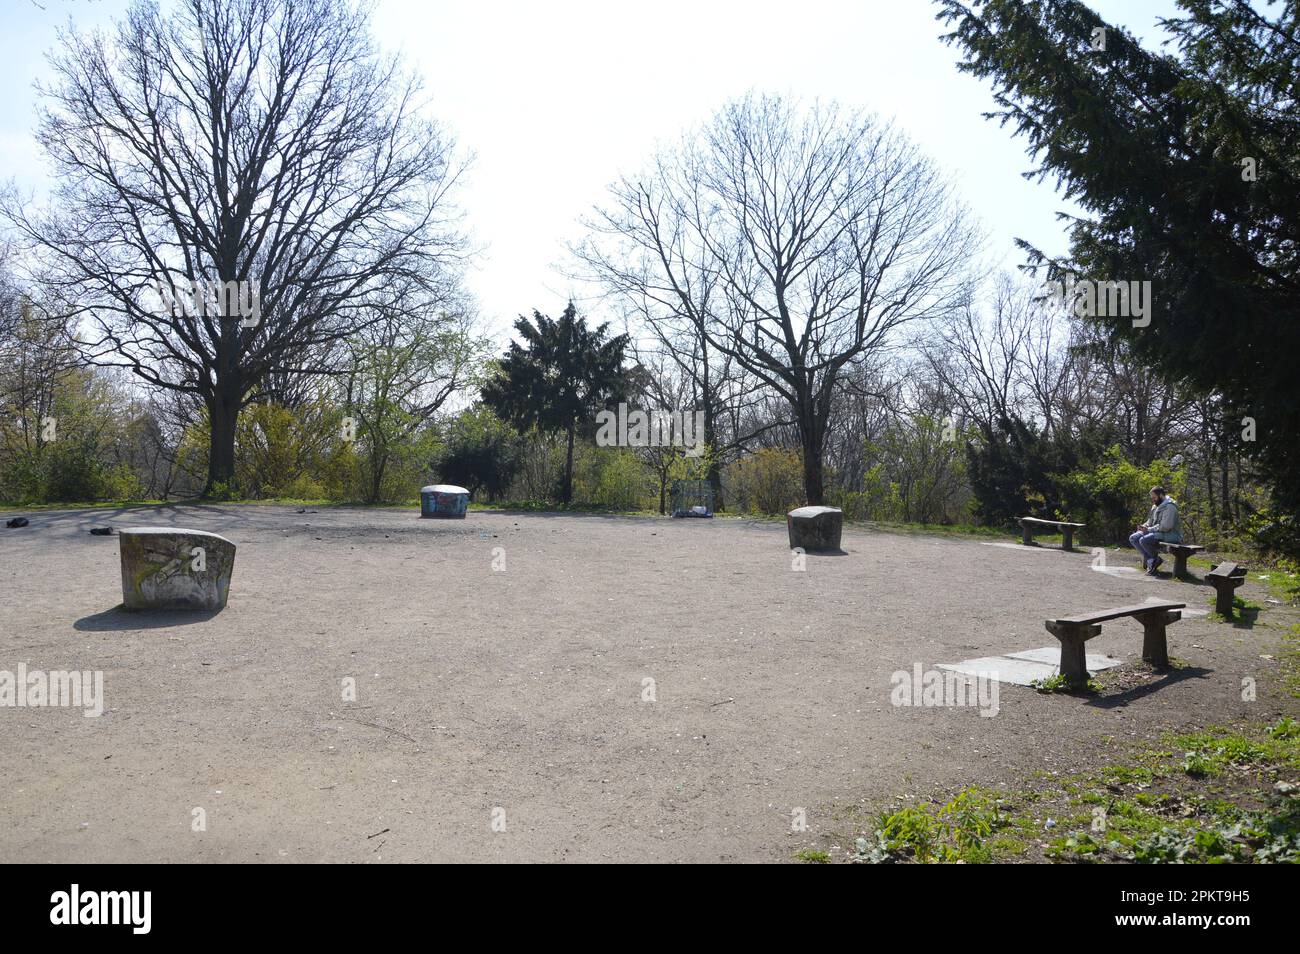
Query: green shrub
{"type": "Point", "coordinates": [611, 478]}
{"type": "Point", "coordinates": [769, 481]}
{"type": "Point", "coordinates": [624, 483]}
{"type": "Point", "coordinates": [480, 452]}
{"type": "Point", "coordinates": [275, 447]}
{"type": "Point", "coordinates": [878, 499]}
{"type": "Point", "coordinates": [1111, 497]}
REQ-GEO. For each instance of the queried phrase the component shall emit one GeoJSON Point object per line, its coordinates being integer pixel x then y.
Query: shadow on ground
{"type": "Point", "coordinates": [1134, 693]}
{"type": "Point", "coordinates": [117, 619]}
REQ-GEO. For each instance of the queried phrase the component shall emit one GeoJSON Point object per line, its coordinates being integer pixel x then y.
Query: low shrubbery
{"type": "Point", "coordinates": [1110, 496]}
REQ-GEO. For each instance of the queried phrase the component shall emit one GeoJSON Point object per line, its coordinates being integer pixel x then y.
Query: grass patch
{"type": "Point", "coordinates": [11, 507]}
{"type": "Point", "coordinates": [1214, 751]}
{"type": "Point", "coordinates": [961, 829]}
{"type": "Point", "coordinates": [1289, 656]}
{"type": "Point", "coordinates": [1216, 796]}
{"type": "Point", "coordinates": [814, 856]}
{"type": "Point", "coordinates": [933, 529]}
{"type": "Point", "coordinates": [544, 506]}
{"type": "Point", "coordinates": [1282, 583]}
{"type": "Point", "coordinates": [1058, 683]}
{"type": "Point", "coordinates": [1238, 606]}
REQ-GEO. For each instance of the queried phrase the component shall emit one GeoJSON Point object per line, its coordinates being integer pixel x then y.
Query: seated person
{"type": "Point", "coordinates": [1162, 526]}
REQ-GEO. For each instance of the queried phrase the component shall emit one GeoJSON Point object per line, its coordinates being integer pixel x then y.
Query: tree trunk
{"type": "Point", "coordinates": [378, 465]}
{"type": "Point", "coordinates": [566, 493]}
{"type": "Point", "coordinates": [811, 439]}
{"type": "Point", "coordinates": [1208, 445]}
{"type": "Point", "coordinates": [714, 473]}
{"type": "Point", "coordinates": [1225, 502]}
{"type": "Point", "coordinates": [223, 413]}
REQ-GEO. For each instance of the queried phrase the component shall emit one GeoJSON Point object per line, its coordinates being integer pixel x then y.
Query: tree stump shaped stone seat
{"type": "Point", "coordinates": [174, 568]}
{"type": "Point", "coordinates": [815, 528]}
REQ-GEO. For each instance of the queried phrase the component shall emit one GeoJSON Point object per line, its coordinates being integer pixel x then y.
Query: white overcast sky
{"type": "Point", "coordinates": [555, 99]}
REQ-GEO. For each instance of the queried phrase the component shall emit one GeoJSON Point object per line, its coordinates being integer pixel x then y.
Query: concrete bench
{"type": "Point", "coordinates": [1074, 631]}
{"type": "Point", "coordinates": [1028, 524]}
{"type": "Point", "coordinates": [815, 528]}
{"type": "Point", "coordinates": [174, 568]}
{"type": "Point", "coordinates": [1225, 578]}
{"type": "Point", "coordinates": [1180, 552]}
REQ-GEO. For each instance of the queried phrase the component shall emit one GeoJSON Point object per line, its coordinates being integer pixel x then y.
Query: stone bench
{"type": "Point", "coordinates": [815, 528]}
{"type": "Point", "coordinates": [1028, 524]}
{"type": "Point", "coordinates": [175, 568]}
{"type": "Point", "coordinates": [1180, 553]}
{"type": "Point", "coordinates": [1074, 631]}
{"type": "Point", "coordinates": [1225, 578]}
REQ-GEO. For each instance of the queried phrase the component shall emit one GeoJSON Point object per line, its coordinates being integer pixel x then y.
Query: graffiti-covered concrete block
{"type": "Point", "coordinates": [174, 568]}
{"type": "Point", "coordinates": [444, 500]}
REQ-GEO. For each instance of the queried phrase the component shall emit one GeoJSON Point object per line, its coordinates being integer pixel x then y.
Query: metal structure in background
{"type": "Point", "coordinates": [692, 498]}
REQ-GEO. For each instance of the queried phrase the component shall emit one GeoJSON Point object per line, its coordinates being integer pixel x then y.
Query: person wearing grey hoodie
{"type": "Point", "coordinates": [1162, 526]}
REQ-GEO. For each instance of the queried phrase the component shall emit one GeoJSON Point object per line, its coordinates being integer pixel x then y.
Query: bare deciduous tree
{"type": "Point", "coordinates": [793, 241]}
{"type": "Point", "coordinates": [262, 142]}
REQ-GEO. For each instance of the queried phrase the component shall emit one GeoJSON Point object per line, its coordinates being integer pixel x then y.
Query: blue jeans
{"type": "Point", "coordinates": [1147, 544]}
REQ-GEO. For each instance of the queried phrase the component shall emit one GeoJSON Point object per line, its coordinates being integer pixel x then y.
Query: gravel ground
{"type": "Point", "coordinates": [516, 698]}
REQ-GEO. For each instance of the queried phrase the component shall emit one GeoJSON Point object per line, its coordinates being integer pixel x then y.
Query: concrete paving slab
{"type": "Point", "coordinates": [1189, 612]}
{"type": "Point", "coordinates": [1052, 655]}
{"type": "Point", "coordinates": [1126, 572]}
{"type": "Point", "coordinates": [1024, 667]}
{"type": "Point", "coordinates": [1019, 672]}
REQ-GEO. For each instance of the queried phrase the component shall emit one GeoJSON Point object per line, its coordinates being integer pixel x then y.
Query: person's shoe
{"type": "Point", "coordinates": [1155, 565]}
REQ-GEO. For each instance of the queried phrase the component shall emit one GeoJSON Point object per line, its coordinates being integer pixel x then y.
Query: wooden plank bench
{"type": "Point", "coordinates": [1067, 530]}
{"type": "Point", "coordinates": [1074, 631]}
{"type": "Point", "coordinates": [1180, 551]}
{"type": "Point", "coordinates": [1225, 578]}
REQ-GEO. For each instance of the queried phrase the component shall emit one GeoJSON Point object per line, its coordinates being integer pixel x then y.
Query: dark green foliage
{"type": "Point", "coordinates": [558, 378]}
{"type": "Point", "coordinates": [481, 453]}
{"type": "Point", "coordinates": [1016, 471]}
{"type": "Point", "coordinates": [1151, 145]}
{"type": "Point", "coordinates": [1008, 475]}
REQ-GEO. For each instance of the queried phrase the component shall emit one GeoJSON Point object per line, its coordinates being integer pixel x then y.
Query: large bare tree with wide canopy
{"type": "Point", "coordinates": [796, 241]}
{"type": "Point", "coordinates": [259, 142]}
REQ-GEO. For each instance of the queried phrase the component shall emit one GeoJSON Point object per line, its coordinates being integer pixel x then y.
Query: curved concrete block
{"type": "Point", "coordinates": [444, 500]}
{"type": "Point", "coordinates": [174, 568]}
{"type": "Point", "coordinates": [815, 528]}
